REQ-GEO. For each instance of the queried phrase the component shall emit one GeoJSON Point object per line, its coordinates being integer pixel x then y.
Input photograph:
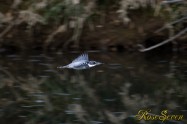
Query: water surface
{"type": "Point", "coordinates": [34, 91]}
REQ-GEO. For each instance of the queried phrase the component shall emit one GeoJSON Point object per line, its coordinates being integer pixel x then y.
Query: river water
{"type": "Point", "coordinates": [34, 91]}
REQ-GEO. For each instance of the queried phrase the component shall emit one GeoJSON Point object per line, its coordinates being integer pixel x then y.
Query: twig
{"type": "Point", "coordinates": [4, 32]}
{"type": "Point", "coordinates": [60, 29]}
{"type": "Point", "coordinates": [171, 1]}
{"type": "Point", "coordinates": [80, 23]}
{"type": "Point", "coordinates": [164, 42]}
{"type": "Point", "coordinates": [172, 23]}
{"type": "Point", "coordinates": [77, 32]}
{"type": "Point", "coordinates": [11, 76]}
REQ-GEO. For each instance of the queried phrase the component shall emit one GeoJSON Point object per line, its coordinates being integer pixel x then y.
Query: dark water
{"type": "Point", "coordinates": [34, 91]}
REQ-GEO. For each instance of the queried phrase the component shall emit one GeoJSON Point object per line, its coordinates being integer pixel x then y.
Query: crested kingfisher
{"type": "Point", "coordinates": [81, 62]}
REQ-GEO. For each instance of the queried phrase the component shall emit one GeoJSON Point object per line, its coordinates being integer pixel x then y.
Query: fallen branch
{"type": "Point", "coordinates": [9, 27]}
{"type": "Point", "coordinates": [60, 29]}
{"type": "Point", "coordinates": [164, 42]}
{"type": "Point", "coordinates": [169, 24]}
{"type": "Point", "coordinates": [171, 1]}
{"type": "Point", "coordinates": [9, 74]}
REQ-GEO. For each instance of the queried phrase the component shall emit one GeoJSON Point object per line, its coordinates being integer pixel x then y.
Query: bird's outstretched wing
{"type": "Point", "coordinates": [82, 57]}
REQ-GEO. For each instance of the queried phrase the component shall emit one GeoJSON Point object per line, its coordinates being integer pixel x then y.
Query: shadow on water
{"type": "Point", "coordinates": [34, 91]}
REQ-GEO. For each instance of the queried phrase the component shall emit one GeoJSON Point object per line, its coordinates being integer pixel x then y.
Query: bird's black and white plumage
{"type": "Point", "coordinates": [81, 62]}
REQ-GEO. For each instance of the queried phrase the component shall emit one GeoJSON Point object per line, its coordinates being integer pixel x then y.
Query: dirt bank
{"type": "Point", "coordinates": [101, 32]}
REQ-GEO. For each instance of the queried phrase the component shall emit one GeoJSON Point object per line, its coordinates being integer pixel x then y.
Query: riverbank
{"type": "Point", "coordinates": [101, 29]}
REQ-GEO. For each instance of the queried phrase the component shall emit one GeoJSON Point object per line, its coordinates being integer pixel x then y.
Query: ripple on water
{"type": "Point", "coordinates": [77, 98]}
{"type": "Point", "coordinates": [96, 122]}
{"type": "Point", "coordinates": [109, 100]}
{"type": "Point", "coordinates": [44, 76]}
{"type": "Point", "coordinates": [37, 94]}
{"type": "Point", "coordinates": [114, 66]}
{"type": "Point", "coordinates": [39, 101]}
{"type": "Point", "coordinates": [62, 94]}
{"type": "Point", "coordinates": [36, 56]}
{"type": "Point", "coordinates": [34, 60]}
{"type": "Point", "coordinates": [49, 70]}
{"type": "Point", "coordinates": [162, 61]}
{"type": "Point", "coordinates": [17, 59]}
{"type": "Point", "coordinates": [2, 50]}
{"type": "Point", "coordinates": [32, 106]}
{"type": "Point", "coordinates": [13, 56]}
{"type": "Point", "coordinates": [45, 64]}
{"type": "Point", "coordinates": [22, 116]}
{"type": "Point", "coordinates": [69, 112]}
{"type": "Point", "coordinates": [5, 67]}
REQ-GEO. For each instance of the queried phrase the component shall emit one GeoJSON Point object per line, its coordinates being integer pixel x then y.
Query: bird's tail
{"type": "Point", "coordinates": [62, 67]}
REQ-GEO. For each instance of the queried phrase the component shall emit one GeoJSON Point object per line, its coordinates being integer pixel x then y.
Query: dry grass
{"type": "Point", "coordinates": [72, 16]}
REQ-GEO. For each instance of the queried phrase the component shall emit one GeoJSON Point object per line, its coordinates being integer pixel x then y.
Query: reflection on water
{"type": "Point", "coordinates": [34, 91]}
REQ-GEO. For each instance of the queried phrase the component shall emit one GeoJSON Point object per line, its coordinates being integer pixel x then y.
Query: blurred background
{"type": "Point", "coordinates": [143, 44]}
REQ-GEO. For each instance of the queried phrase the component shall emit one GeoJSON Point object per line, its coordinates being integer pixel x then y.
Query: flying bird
{"type": "Point", "coordinates": [81, 62]}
